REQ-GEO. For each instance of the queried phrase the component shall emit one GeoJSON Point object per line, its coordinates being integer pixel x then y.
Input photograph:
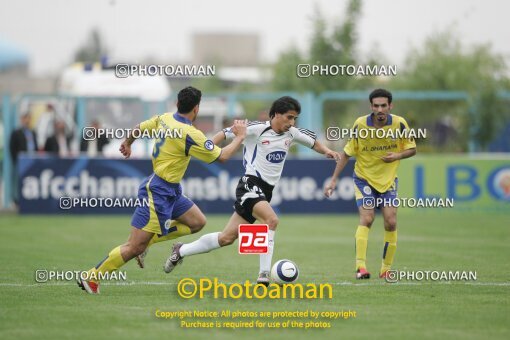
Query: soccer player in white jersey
{"type": "Point", "coordinates": [265, 148]}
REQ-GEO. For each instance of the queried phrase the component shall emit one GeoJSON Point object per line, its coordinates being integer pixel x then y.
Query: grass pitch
{"type": "Point", "coordinates": [323, 248]}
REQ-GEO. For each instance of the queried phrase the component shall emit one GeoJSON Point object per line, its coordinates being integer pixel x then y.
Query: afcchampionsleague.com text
{"type": "Point", "coordinates": [67, 203]}
{"type": "Point", "coordinates": [43, 275]}
{"type": "Point", "coordinates": [128, 70]}
{"type": "Point", "coordinates": [430, 275]}
{"type": "Point", "coordinates": [397, 202]}
{"type": "Point", "coordinates": [92, 133]}
{"type": "Point", "coordinates": [334, 133]}
{"type": "Point", "coordinates": [310, 70]}
{"type": "Point", "coordinates": [188, 288]}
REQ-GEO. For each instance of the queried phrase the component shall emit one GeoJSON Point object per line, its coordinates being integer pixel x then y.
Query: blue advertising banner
{"type": "Point", "coordinates": [109, 186]}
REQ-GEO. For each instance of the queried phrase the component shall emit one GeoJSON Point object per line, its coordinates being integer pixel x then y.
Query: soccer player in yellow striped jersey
{"type": "Point", "coordinates": [375, 175]}
{"type": "Point", "coordinates": [170, 214]}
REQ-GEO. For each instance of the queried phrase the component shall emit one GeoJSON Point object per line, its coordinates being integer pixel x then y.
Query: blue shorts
{"type": "Point", "coordinates": [166, 203]}
{"type": "Point", "coordinates": [367, 195]}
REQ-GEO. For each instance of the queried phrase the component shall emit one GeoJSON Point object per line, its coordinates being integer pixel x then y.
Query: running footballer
{"type": "Point", "coordinates": [170, 214]}
{"type": "Point", "coordinates": [265, 147]}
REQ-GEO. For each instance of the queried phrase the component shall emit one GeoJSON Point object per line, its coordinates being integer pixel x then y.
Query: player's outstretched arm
{"type": "Point", "coordinates": [239, 130]}
{"type": "Point", "coordinates": [125, 147]}
{"type": "Point", "coordinates": [340, 165]}
{"type": "Point", "coordinates": [324, 150]}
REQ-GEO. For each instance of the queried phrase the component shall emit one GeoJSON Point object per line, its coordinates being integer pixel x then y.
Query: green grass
{"type": "Point", "coordinates": [322, 246]}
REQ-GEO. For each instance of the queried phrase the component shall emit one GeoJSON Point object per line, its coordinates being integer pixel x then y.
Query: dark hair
{"type": "Point", "coordinates": [378, 93]}
{"type": "Point", "coordinates": [283, 105]}
{"type": "Point", "coordinates": [188, 98]}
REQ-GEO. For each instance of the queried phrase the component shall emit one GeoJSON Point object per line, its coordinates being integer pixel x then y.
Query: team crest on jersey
{"type": "Point", "coordinates": [209, 145]}
{"type": "Point", "coordinates": [367, 190]}
{"type": "Point", "coordinates": [276, 156]}
{"type": "Point", "coordinates": [287, 143]}
{"type": "Point", "coordinates": [167, 224]}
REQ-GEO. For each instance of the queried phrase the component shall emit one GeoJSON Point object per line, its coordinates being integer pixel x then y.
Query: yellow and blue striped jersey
{"type": "Point", "coordinates": [369, 151]}
{"type": "Point", "coordinates": [171, 156]}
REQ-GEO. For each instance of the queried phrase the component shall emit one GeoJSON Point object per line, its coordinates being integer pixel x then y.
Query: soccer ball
{"type": "Point", "coordinates": [284, 271]}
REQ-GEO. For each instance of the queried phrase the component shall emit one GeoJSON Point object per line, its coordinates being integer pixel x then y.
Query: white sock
{"type": "Point", "coordinates": [204, 244]}
{"type": "Point", "coordinates": [266, 259]}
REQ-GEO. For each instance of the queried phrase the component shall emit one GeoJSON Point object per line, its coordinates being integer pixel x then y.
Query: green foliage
{"type": "Point", "coordinates": [330, 45]}
{"type": "Point", "coordinates": [284, 71]}
{"type": "Point", "coordinates": [442, 63]}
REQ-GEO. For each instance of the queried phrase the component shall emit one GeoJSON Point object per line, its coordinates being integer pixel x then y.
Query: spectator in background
{"type": "Point", "coordinates": [59, 142]}
{"type": "Point", "coordinates": [45, 122]}
{"type": "Point", "coordinates": [94, 147]}
{"type": "Point", "coordinates": [23, 139]}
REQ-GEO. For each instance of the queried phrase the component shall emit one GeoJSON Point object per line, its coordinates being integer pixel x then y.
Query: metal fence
{"type": "Point", "coordinates": [126, 112]}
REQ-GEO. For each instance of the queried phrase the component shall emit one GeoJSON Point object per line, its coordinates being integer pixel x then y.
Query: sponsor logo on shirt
{"type": "Point", "coordinates": [276, 156]}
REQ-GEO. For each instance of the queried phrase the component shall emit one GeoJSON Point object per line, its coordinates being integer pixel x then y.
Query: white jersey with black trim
{"type": "Point", "coordinates": [265, 150]}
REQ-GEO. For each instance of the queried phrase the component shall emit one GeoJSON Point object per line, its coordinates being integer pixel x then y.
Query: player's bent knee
{"type": "Point", "coordinates": [390, 224]}
{"type": "Point", "coordinates": [366, 218]}
{"type": "Point", "coordinates": [137, 249]}
{"type": "Point", "coordinates": [272, 222]}
{"type": "Point", "coordinates": [367, 221]}
{"type": "Point", "coordinates": [226, 240]}
{"type": "Point", "coordinates": [198, 224]}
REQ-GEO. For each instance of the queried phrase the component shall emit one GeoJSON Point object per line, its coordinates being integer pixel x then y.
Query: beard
{"type": "Point", "coordinates": [381, 117]}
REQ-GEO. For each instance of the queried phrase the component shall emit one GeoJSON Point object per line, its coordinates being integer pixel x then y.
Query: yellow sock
{"type": "Point", "coordinates": [361, 246]}
{"type": "Point", "coordinates": [112, 262]}
{"type": "Point", "coordinates": [390, 247]}
{"type": "Point", "coordinates": [176, 230]}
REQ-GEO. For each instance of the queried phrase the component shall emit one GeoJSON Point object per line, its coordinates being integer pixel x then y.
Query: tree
{"type": "Point", "coordinates": [335, 45]}
{"type": "Point", "coordinates": [442, 63]}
